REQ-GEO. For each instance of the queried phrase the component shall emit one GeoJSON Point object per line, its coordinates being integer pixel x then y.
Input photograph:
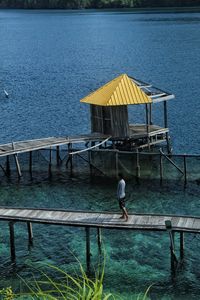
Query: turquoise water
{"type": "Point", "coordinates": [51, 59]}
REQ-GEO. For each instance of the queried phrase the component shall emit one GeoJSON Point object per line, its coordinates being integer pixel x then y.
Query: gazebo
{"type": "Point", "coordinates": [109, 111]}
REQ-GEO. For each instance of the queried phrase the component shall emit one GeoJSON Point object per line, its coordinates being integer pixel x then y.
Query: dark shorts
{"type": "Point", "coordinates": [122, 203]}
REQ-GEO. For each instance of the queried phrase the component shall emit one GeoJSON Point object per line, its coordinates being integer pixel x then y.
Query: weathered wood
{"type": "Point", "coordinates": [17, 162]}
{"type": "Point", "coordinates": [161, 168]}
{"type": "Point", "coordinates": [181, 245]}
{"type": "Point", "coordinates": [88, 254]}
{"type": "Point", "coordinates": [138, 165]}
{"type": "Point", "coordinates": [96, 219]}
{"type": "Point", "coordinates": [50, 161]}
{"type": "Point", "coordinates": [58, 155]}
{"type": "Point", "coordinates": [30, 233]}
{"type": "Point", "coordinates": [7, 165]}
{"type": "Point", "coordinates": [185, 169]}
{"type": "Point", "coordinates": [116, 164]}
{"type": "Point", "coordinates": [12, 241]}
{"type": "Point", "coordinates": [99, 239]}
{"type": "Point", "coordinates": [30, 161]}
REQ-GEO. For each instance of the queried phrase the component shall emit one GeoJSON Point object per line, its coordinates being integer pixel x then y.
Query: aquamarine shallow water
{"type": "Point", "coordinates": [51, 59]}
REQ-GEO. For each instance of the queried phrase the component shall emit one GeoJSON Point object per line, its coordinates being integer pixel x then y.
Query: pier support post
{"type": "Point", "coordinates": [89, 160]}
{"type": "Point", "coordinates": [50, 161]}
{"type": "Point", "coordinates": [116, 163]}
{"type": "Point", "coordinates": [181, 245]}
{"type": "Point", "coordinates": [30, 233]}
{"type": "Point", "coordinates": [30, 161]}
{"type": "Point", "coordinates": [174, 260]}
{"type": "Point", "coordinates": [99, 239]}
{"type": "Point", "coordinates": [17, 162]}
{"type": "Point", "coordinates": [88, 254]}
{"type": "Point", "coordinates": [161, 168]}
{"type": "Point", "coordinates": [70, 159]}
{"type": "Point", "coordinates": [166, 126]}
{"type": "Point", "coordinates": [7, 165]}
{"type": "Point", "coordinates": [138, 165]}
{"type": "Point", "coordinates": [58, 155]}
{"type": "Point", "coordinates": [185, 170]}
{"type": "Point", "coordinates": [12, 241]}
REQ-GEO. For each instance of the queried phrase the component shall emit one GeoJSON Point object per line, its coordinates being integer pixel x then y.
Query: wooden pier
{"type": "Point", "coordinates": [142, 222]}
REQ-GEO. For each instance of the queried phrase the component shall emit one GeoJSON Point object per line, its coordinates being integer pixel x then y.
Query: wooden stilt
{"type": "Point", "coordinates": [88, 254]}
{"type": "Point", "coordinates": [30, 161]}
{"type": "Point", "coordinates": [166, 126]}
{"type": "Point", "coordinates": [147, 124]}
{"type": "Point", "coordinates": [138, 165]}
{"type": "Point", "coordinates": [50, 161]}
{"type": "Point", "coordinates": [99, 239]}
{"type": "Point", "coordinates": [161, 168]}
{"type": "Point", "coordinates": [18, 166]}
{"type": "Point", "coordinates": [181, 245]}
{"type": "Point", "coordinates": [17, 162]}
{"type": "Point", "coordinates": [116, 163]}
{"type": "Point", "coordinates": [174, 260]}
{"type": "Point", "coordinates": [8, 166]}
{"type": "Point", "coordinates": [12, 241]}
{"type": "Point", "coordinates": [185, 170]}
{"type": "Point", "coordinates": [30, 233]}
{"type": "Point", "coordinates": [89, 160]}
{"type": "Point", "coordinates": [58, 155]}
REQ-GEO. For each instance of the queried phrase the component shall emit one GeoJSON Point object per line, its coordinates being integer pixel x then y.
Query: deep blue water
{"type": "Point", "coordinates": [49, 60]}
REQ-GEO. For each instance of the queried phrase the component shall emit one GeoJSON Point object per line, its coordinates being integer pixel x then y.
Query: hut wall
{"type": "Point", "coordinates": [110, 120]}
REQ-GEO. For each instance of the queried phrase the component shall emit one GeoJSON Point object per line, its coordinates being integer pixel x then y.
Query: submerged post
{"type": "Point", "coordinates": [181, 245]}
{"type": "Point", "coordinates": [185, 170]}
{"type": "Point", "coordinates": [7, 166]}
{"type": "Point", "coordinates": [174, 259]}
{"type": "Point", "coordinates": [30, 161]}
{"type": "Point", "coordinates": [116, 163]}
{"type": "Point", "coordinates": [17, 162]}
{"type": "Point", "coordinates": [99, 239]}
{"type": "Point", "coordinates": [166, 126]}
{"type": "Point", "coordinates": [57, 155]}
{"type": "Point", "coordinates": [30, 233]}
{"type": "Point", "coordinates": [12, 241]}
{"type": "Point", "coordinates": [161, 168]}
{"type": "Point", "coordinates": [87, 230]}
{"type": "Point", "coordinates": [138, 165]}
{"type": "Point", "coordinates": [50, 160]}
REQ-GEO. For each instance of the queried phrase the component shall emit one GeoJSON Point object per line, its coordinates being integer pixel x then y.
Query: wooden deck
{"type": "Point", "coordinates": [37, 144]}
{"type": "Point", "coordinates": [100, 219]}
{"type": "Point", "coordinates": [138, 131]}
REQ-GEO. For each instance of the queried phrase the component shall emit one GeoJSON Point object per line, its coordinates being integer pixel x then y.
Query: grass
{"type": "Point", "coordinates": [78, 287]}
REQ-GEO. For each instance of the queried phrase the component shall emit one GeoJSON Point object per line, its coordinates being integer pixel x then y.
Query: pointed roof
{"type": "Point", "coordinates": [119, 91]}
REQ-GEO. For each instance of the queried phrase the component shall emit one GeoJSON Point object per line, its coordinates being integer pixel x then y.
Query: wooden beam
{"type": "Point", "coordinates": [99, 239]}
{"type": "Point", "coordinates": [17, 162]}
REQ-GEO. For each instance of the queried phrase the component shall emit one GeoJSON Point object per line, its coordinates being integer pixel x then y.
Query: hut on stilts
{"type": "Point", "coordinates": [109, 113]}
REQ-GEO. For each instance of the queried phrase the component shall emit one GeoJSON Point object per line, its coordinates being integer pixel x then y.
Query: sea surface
{"type": "Point", "coordinates": [49, 60]}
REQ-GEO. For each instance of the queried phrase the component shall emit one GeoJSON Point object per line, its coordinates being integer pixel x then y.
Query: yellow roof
{"type": "Point", "coordinates": [119, 91]}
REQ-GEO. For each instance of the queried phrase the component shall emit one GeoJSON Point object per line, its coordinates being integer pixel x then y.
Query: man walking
{"type": "Point", "coordinates": [121, 196]}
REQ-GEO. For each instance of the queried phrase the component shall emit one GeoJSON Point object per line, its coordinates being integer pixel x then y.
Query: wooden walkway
{"type": "Point", "coordinates": [103, 220]}
{"type": "Point", "coordinates": [99, 220]}
{"type": "Point", "coordinates": [37, 144]}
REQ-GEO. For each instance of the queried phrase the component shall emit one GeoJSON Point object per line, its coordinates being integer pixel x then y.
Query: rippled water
{"type": "Point", "coordinates": [49, 60]}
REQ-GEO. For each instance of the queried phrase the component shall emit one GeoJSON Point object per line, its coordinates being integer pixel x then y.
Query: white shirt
{"type": "Point", "coordinates": [121, 189]}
